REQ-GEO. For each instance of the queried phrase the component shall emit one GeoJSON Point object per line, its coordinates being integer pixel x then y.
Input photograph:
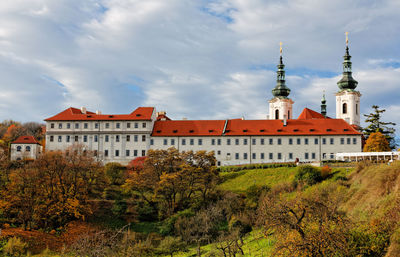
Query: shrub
{"type": "Point", "coordinates": [325, 171]}
{"type": "Point", "coordinates": [15, 247]}
{"type": "Point", "coordinates": [308, 174]}
{"type": "Point", "coordinates": [168, 226]}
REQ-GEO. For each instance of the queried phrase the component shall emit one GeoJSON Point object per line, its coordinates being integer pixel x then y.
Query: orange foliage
{"type": "Point", "coordinates": [377, 142]}
{"type": "Point", "coordinates": [325, 171]}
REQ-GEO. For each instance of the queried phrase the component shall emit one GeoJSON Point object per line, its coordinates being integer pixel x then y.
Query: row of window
{"type": "Point", "coordinates": [262, 141]}
{"type": "Point", "coordinates": [279, 156]}
{"type": "Point", "coordinates": [77, 125]}
{"type": "Point", "coordinates": [127, 153]}
{"type": "Point", "coordinates": [96, 139]}
{"type": "Point", "coordinates": [27, 148]}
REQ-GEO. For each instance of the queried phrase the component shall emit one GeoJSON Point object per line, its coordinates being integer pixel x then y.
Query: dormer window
{"type": "Point", "coordinates": [191, 131]}
{"type": "Point", "coordinates": [175, 131]}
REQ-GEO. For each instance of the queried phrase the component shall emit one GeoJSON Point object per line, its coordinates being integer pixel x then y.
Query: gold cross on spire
{"type": "Point", "coordinates": [347, 38]}
{"type": "Point", "coordinates": [280, 47]}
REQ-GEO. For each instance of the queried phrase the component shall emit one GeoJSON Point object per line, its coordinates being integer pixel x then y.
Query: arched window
{"type": "Point", "coordinates": [28, 148]}
{"type": "Point", "coordinates": [19, 148]}
{"type": "Point", "coordinates": [344, 108]}
{"type": "Point", "coordinates": [356, 108]}
{"type": "Point", "coordinates": [288, 114]}
{"type": "Point", "coordinates": [276, 114]}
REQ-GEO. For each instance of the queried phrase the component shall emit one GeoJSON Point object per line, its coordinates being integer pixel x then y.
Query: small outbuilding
{"type": "Point", "coordinates": [25, 147]}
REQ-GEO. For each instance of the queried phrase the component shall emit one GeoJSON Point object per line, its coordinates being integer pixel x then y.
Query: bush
{"type": "Point", "coordinates": [15, 247]}
{"type": "Point", "coordinates": [168, 226]}
{"type": "Point", "coordinates": [325, 171]}
{"type": "Point", "coordinates": [308, 174]}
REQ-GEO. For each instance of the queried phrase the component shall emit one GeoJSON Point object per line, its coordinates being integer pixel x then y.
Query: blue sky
{"type": "Point", "coordinates": [194, 59]}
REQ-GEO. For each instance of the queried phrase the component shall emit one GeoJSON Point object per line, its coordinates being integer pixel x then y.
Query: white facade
{"type": "Point", "coordinates": [279, 108]}
{"type": "Point", "coordinates": [21, 151]}
{"type": "Point", "coordinates": [348, 106]}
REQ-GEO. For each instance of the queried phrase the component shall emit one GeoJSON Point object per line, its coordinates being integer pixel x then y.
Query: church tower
{"type": "Point", "coordinates": [348, 99]}
{"type": "Point", "coordinates": [280, 107]}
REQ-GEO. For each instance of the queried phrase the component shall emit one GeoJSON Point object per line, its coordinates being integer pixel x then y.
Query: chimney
{"type": "Point", "coordinates": [83, 110]}
{"type": "Point", "coordinates": [284, 120]}
{"type": "Point", "coordinates": [161, 113]}
{"type": "Point", "coordinates": [184, 118]}
{"type": "Point", "coordinates": [98, 112]}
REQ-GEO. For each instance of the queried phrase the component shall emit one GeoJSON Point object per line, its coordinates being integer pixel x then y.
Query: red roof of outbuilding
{"type": "Point", "coordinates": [71, 114]}
{"type": "Point", "coordinates": [310, 114]}
{"type": "Point", "coordinates": [25, 140]}
{"type": "Point", "coordinates": [188, 128]}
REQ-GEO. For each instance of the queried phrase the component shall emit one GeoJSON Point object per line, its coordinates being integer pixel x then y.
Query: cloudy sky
{"type": "Point", "coordinates": [197, 59]}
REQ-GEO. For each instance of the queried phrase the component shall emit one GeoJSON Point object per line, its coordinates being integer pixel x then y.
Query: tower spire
{"type": "Point", "coordinates": [323, 105]}
{"type": "Point", "coordinates": [347, 82]}
{"type": "Point", "coordinates": [280, 90]}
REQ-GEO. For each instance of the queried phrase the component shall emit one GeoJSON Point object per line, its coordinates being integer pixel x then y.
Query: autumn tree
{"type": "Point", "coordinates": [377, 142]}
{"type": "Point", "coordinates": [375, 124]}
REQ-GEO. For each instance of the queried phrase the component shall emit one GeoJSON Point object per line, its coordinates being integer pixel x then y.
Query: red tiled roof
{"type": "Point", "coordinates": [293, 127]}
{"type": "Point", "coordinates": [163, 117]}
{"type": "Point", "coordinates": [239, 127]}
{"type": "Point", "coordinates": [71, 114]}
{"type": "Point", "coordinates": [25, 140]}
{"type": "Point", "coordinates": [310, 114]}
{"type": "Point", "coordinates": [188, 128]}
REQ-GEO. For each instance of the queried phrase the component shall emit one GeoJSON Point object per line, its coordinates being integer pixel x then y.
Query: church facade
{"type": "Point", "coordinates": [313, 136]}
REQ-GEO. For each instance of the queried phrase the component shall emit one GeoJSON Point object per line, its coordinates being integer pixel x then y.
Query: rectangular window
{"type": "Point", "coordinates": [245, 141]}
{"type": "Point", "coordinates": [324, 156]}
{"type": "Point", "coordinates": [127, 153]}
{"type": "Point", "coordinates": [96, 125]}
{"type": "Point", "coordinates": [348, 140]}
{"type": "Point", "coordinates": [262, 141]}
{"type": "Point", "coordinates": [315, 141]}
{"type": "Point", "coordinates": [342, 141]}
{"type": "Point", "coordinates": [107, 125]}
{"type": "Point", "coordinates": [165, 141]}
{"type": "Point", "coordinates": [332, 156]}
{"type": "Point", "coordinates": [306, 156]}
{"type": "Point", "coordinates": [213, 141]}
{"type": "Point", "coordinates": [68, 125]}
{"type": "Point", "coordinates": [135, 138]}
{"type": "Point", "coordinates": [135, 153]}
{"type": "Point", "coordinates": [116, 153]}
{"type": "Point", "coordinates": [172, 141]}
{"type": "Point", "coordinates": [262, 156]}
{"type": "Point", "coordinates": [106, 138]}
{"type": "Point", "coordinates": [290, 141]}
{"type": "Point", "coordinates": [200, 141]}
{"type": "Point", "coordinates": [59, 138]}
{"type": "Point", "coordinates": [143, 126]}
{"type": "Point", "coordinates": [279, 156]}
{"type": "Point", "coordinates": [298, 141]}
{"type": "Point", "coordinates": [52, 125]}
{"type": "Point", "coordinates": [105, 153]}
{"type": "Point", "coordinates": [253, 141]}
{"type": "Point", "coordinates": [218, 141]}
{"type": "Point", "coordinates": [144, 151]}
{"type": "Point", "coordinates": [245, 156]}
{"type": "Point", "coordinates": [306, 141]}
{"type": "Point", "coordinates": [354, 141]}
{"type": "Point", "coordinates": [85, 138]}
{"type": "Point", "coordinates": [85, 125]}
{"type": "Point", "coordinates": [192, 141]}
{"type": "Point", "coordinates": [237, 141]}
{"type": "Point", "coordinates": [68, 139]}
{"type": "Point", "coordinates": [143, 138]}
{"type": "Point", "coordinates": [183, 141]}
{"type": "Point", "coordinates": [228, 141]}
{"type": "Point", "coordinates": [118, 125]}
{"type": "Point", "coordinates": [324, 141]}
{"type": "Point", "coordinates": [95, 138]}
{"type": "Point", "coordinates": [76, 138]}
{"type": "Point", "coordinates": [76, 125]}
{"type": "Point", "coordinates": [219, 152]}
{"type": "Point", "coordinates": [253, 156]}
{"type": "Point", "coordinates": [237, 156]}
{"type": "Point", "coordinates": [279, 141]}
{"type": "Point", "coordinates": [151, 141]}
{"type": "Point", "coordinates": [60, 125]}
{"type": "Point", "coordinates": [271, 141]}
{"type": "Point", "coordinates": [313, 156]}
{"type": "Point", "coordinates": [117, 138]}
{"type": "Point", "coordinates": [136, 125]}
{"type": "Point", "coordinates": [332, 141]}
{"type": "Point", "coordinates": [271, 156]}
{"type": "Point", "coordinates": [128, 138]}
{"type": "Point", "coordinates": [128, 125]}
{"type": "Point", "coordinates": [290, 156]}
